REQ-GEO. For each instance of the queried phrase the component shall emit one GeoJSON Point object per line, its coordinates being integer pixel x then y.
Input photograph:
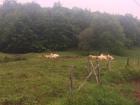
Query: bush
{"type": "Point", "coordinates": [17, 100]}
{"type": "Point", "coordinates": [98, 96]}
{"type": "Point", "coordinates": [122, 75]}
{"type": "Point", "coordinates": [7, 59]}
{"type": "Point", "coordinates": [130, 73]}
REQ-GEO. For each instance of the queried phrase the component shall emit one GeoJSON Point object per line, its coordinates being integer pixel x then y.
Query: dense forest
{"type": "Point", "coordinates": [32, 28]}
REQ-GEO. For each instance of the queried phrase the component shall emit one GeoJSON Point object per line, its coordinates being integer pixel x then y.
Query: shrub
{"type": "Point", "coordinates": [12, 59]}
{"type": "Point", "coordinates": [98, 96]}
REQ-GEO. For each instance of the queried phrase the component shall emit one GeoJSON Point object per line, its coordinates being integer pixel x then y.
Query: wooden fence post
{"type": "Point", "coordinates": [94, 71]}
{"type": "Point", "coordinates": [85, 81]}
{"type": "Point", "coordinates": [88, 65]}
{"type": "Point", "coordinates": [138, 62]}
{"type": "Point", "coordinates": [109, 65]}
{"type": "Point", "coordinates": [134, 61]}
{"type": "Point", "coordinates": [128, 62]}
{"type": "Point", "coordinates": [71, 80]}
{"type": "Point", "coordinates": [98, 72]}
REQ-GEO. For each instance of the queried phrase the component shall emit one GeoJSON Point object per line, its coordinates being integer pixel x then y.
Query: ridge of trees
{"type": "Point", "coordinates": [32, 28]}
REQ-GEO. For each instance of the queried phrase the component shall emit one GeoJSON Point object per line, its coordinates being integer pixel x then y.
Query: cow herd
{"type": "Point", "coordinates": [101, 57]}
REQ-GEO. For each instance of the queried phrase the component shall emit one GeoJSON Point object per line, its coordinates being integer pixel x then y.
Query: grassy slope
{"type": "Point", "coordinates": [38, 81]}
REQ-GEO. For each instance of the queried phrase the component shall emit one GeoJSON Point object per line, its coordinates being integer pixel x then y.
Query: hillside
{"type": "Point", "coordinates": [30, 79]}
{"type": "Point", "coordinates": [29, 27]}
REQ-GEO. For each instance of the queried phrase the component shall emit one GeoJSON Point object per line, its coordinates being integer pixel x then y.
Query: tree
{"type": "Point", "coordinates": [104, 34]}
{"type": "Point", "coordinates": [131, 29]}
{"type": "Point", "coordinates": [30, 27]}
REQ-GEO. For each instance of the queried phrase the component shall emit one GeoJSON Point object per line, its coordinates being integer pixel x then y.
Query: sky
{"type": "Point", "coordinates": [109, 6]}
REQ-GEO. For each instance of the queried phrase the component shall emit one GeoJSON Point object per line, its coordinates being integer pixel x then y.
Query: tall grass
{"type": "Point", "coordinates": [34, 80]}
{"type": "Point", "coordinates": [98, 95]}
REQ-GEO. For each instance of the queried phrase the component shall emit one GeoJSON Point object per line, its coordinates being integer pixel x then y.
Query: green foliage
{"type": "Point", "coordinates": [131, 73]}
{"type": "Point", "coordinates": [102, 35]}
{"type": "Point", "coordinates": [122, 75]}
{"type": "Point", "coordinates": [17, 100]}
{"type": "Point", "coordinates": [131, 29]}
{"type": "Point", "coordinates": [14, 58]}
{"type": "Point", "coordinates": [98, 96]}
{"type": "Point", "coordinates": [40, 81]}
{"type": "Point", "coordinates": [32, 28]}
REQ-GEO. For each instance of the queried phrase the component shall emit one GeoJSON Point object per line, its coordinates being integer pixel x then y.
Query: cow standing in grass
{"type": "Point", "coordinates": [108, 58]}
{"type": "Point", "coordinates": [101, 57]}
{"type": "Point", "coordinates": [51, 56]}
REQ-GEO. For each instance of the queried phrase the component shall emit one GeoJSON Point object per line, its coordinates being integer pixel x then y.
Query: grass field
{"type": "Point", "coordinates": [30, 79]}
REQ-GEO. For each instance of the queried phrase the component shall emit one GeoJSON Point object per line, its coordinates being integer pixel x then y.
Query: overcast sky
{"type": "Point", "coordinates": [110, 6]}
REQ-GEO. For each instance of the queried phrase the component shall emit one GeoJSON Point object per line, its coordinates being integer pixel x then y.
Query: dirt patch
{"type": "Point", "coordinates": [67, 57]}
{"type": "Point", "coordinates": [136, 84]}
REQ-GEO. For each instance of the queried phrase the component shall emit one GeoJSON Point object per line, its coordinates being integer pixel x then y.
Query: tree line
{"type": "Point", "coordinates": [32, 28]}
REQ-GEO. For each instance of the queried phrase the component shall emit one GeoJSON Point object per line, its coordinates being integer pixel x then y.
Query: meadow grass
{"type": "Point", "coordinates": [34, 80]}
